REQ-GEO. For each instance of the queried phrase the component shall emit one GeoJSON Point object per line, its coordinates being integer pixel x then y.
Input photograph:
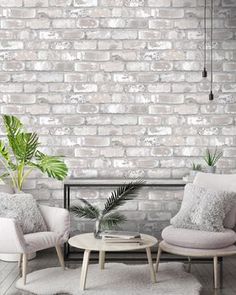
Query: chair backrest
{"type": "Point", "coordinates": [223, 182]}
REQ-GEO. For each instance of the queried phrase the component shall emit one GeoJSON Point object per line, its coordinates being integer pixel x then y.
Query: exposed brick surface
{"type": "Point", "coordinates": [116, 86]}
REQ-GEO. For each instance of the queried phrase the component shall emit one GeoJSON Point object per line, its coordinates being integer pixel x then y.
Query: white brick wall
{"type": "Point", "coordinates": [115, 85]}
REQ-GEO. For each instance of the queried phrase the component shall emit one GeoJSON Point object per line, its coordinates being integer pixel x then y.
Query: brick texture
{"type": "Point", "coordinates": [116, 86]}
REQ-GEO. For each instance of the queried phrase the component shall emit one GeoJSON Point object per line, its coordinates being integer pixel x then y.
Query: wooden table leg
{"type": "Point", "coordinates": [84, 269]}
{"type": "Point", "coordinates": [149, 257]}
{"type": "Point", "coordinates": [158, 259]}
{"type": "Point", "coordinates": [102, 259]}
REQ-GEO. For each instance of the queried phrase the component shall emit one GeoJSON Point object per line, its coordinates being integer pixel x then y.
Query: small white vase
{"type": "Point", "coordinates": [15, 257]}
{"type": "Point", "coordinates": [211, 169]}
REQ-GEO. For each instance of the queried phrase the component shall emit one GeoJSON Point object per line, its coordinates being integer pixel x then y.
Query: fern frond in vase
{"type": "Point", "coordinates": [108, 217]}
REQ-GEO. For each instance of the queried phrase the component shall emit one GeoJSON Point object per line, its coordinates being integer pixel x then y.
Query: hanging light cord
{"type": "Point", "coordinates": [204, 72]}
{"type": "Point", "coordinates": [211, 96]}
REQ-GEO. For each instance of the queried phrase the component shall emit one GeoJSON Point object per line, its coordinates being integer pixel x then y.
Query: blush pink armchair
{"type": "Point", "coordinates": [196, 243]}
{"type": "Point", "coordinates": [12, 239]}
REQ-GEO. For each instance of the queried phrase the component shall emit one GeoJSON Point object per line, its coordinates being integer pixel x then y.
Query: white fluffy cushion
{"type": "Point", "coordinates": [222, 182]}
{"type": "Point", "coordinates": [23, 208]}
{"type": "Point", "coordinates": [203, 209]}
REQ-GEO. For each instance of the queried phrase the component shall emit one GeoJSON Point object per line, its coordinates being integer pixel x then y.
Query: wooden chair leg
{"type": "Point", "coordinates": [20, 264]}
{"type": "Point", "coordinates": [60, 256]}
{"type": "Point", "coordinates": [24, 268]}
{"type": "Point", "coordinates": [215, 262]}
{"type": "Point", "coordinates": [20, 260]}
{"type": "Point", "coordinates": [158, 259]}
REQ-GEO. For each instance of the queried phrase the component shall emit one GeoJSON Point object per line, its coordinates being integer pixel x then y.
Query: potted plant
{"type": "Point", "coordinates": [20, 156]}
{"type": "Point", "coordinates": [195, 168]}
{"type": "Point", "coordinates": [108, 217]}
{"type": "Point", "coordinates": [211, 158]}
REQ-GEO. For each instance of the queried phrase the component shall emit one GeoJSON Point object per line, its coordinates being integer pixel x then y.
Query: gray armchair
{"type": "Point", "coordinates": [195, 243]}
{"type": "Point", "coordinates": [12, 239]}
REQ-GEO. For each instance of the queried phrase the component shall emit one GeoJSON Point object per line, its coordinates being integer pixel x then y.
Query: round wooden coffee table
{"type": "Point", "coordinates": [89, 243]}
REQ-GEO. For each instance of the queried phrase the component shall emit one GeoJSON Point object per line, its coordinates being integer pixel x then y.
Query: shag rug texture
{"type": "Point", "coordinates": [115, 279]}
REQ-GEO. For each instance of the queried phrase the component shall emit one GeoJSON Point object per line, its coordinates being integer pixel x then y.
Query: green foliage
{"type": "Point", "coordinates": [51, 165]}
{"type": "Point", "coordinates": [211, 158]}
{"type": "Point", "coordinates": [108, 217]}
{"type": "Point", "coordinates": [196, 167]}
{"type": "Point", "coordinates": [4, 151]}
{"type": "Point", "coordinates": [13, 125]}
{"type": "Point", "coordinates": [21, 155]}
{"type": "Point", "coordinates": [121, 195]}
{"type": "Point", "coordinates": [88, 211]}
{"type": "Point", "coordinates": [113, 220]}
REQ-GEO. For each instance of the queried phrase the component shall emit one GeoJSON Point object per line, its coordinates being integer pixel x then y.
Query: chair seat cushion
{"type": "Point", "coordinates": [41, 240]}
{"type": "Point", "coordinates": [197, 239]}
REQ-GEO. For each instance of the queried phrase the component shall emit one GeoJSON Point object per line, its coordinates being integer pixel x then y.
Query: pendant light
{"type": "Point", "coordinates": [204, 72]}
{"type": "Point", "coordinates": [211, 95]}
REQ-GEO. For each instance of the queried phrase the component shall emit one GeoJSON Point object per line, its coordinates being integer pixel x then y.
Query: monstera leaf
{"type": "Point", "coordinates": [4, 151]}
{"type": "Point", "coordinates": [24, 146]}
{"type": "Point", "coordinates": [5, 154]}
{"type": "Point", "coordinates": [21, 155]}
{"type": "Point", "coordinates": [13, 125]}
{"type": "Point", "coordinates": [51, 165]}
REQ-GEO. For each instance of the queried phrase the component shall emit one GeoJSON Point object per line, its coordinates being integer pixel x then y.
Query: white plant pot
{"type": "Point", "coordinates": [15, 257]}
{"type": "Point", "coordinates": [211, 169]}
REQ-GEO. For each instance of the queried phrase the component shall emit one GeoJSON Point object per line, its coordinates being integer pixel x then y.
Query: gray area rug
{"type": "Point", "coordinates": [115, 279]}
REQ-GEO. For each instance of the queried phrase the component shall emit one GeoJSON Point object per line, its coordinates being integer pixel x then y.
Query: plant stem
{"type": "Point", "coordinates": [27, 174]}
{"type": "Point", "coordinates": [20, 173]}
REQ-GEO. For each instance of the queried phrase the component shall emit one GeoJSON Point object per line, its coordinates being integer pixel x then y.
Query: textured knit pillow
{"type": "Point", "coordinates": [23, 208]}
{"type": "Point", "coordinates": [203, 209]}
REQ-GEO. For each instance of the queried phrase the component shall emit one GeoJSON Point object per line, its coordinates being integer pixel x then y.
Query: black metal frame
{"type": "Point", "coordinates": [67, 187]}
{"type": "Point", "coordinates": [142, 256]}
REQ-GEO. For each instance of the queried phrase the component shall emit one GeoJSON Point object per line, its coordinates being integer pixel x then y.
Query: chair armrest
{"type": "Point", "coordinates": [57, 220]}
{"type": "Point", "coordinates": [11, 237]}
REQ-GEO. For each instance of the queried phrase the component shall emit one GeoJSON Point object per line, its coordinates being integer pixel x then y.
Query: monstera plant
{"type": "Point", "coordinates": [20, 155]}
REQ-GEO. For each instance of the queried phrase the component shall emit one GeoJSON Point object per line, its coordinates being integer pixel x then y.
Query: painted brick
{"type": "Point", "coordinates": [85, 3]}
{"type": "Point", "coordinates": [36, 3]}
{"type": "Point", "coordinates": [160, 3]}
{"type": "Point", "coordinates": [11, 3]}
{"type": "Point", "coordinates": [116, 86]}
